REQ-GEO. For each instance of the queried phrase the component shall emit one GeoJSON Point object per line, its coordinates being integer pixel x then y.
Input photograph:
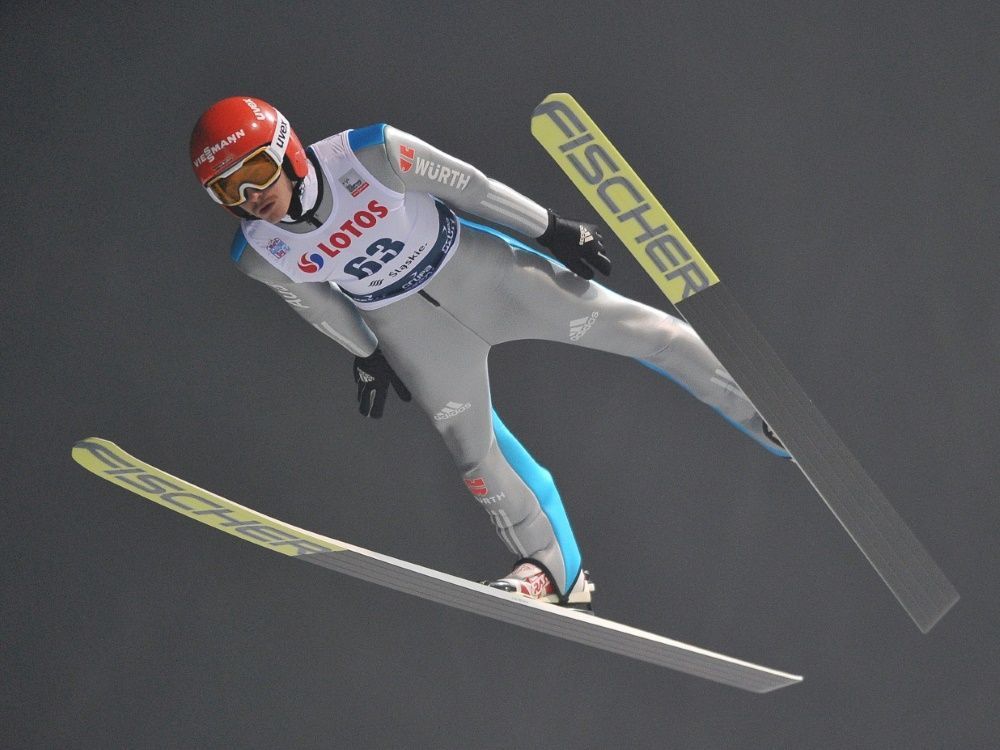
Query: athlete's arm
{"type": "Point", "coordinates": [403, 162]}
{"type": "Point", "coordinates": [321, 304]}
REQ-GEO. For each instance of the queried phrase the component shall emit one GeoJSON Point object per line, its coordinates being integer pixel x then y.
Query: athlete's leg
{"type": "Point", "coordinates": [444, 364]}
{"type": "Point", "coordinates": [544, 300]}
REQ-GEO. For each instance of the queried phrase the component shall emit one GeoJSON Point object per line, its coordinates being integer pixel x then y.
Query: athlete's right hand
{"type": "Point", "coordinates": [374, 375]}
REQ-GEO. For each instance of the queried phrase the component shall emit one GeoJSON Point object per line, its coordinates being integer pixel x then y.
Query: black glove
{"type": "Point", "coordinates": [374, 374]}
{"type": "Point", "coordinates": [576, 244]}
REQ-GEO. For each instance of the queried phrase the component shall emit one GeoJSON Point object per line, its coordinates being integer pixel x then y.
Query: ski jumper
{"type": "Point", "coordinates": [380, 259]}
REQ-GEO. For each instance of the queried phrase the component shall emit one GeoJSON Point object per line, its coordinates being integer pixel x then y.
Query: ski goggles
{"type": "Point", "coordinates": [259, 170]}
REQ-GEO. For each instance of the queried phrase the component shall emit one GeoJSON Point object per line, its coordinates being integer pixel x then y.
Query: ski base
{"type": "Point", "coordinates": [838, 477]}
{"type": "Point", "coordinates": [107, 460]}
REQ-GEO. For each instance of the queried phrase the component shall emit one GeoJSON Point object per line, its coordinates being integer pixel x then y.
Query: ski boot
{"type": "Point", "coordinates": [530, 580]}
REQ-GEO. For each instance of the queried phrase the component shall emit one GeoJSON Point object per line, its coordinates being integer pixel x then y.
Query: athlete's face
{"type": "Point", "coordinates": [270, 204]}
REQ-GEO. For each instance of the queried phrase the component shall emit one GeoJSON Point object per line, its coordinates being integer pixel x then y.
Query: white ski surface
{"type": "Point", "coordinates": [107, 460]}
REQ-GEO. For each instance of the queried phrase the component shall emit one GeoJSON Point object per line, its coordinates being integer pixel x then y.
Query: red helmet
{"type": "Point", "coordinates": [243, 132]}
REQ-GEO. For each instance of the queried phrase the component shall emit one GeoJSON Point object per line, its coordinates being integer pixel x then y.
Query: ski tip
{"type": "Point", "coordinates": [545, 106]}
{"type": "Point", "coordinates": [88, 443]}
{"type": "Point", "coordinates": [93, 453]}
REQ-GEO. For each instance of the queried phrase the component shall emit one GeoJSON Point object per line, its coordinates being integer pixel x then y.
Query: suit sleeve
{"type": "Point", "coordinates": [405, 162]}
{"type": "Point", "coordinates": [321, 304]}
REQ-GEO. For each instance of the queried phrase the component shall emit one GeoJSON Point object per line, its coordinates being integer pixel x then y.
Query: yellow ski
{"type": "Point", "coordinates": [615, 191]}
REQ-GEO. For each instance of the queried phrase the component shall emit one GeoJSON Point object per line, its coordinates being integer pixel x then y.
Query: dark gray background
{"type": "Point", "coordinates": [836, 164]}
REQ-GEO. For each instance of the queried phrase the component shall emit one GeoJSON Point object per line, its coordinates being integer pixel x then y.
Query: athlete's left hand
{"type": "Point", "coordinates": [374, 375]}
{"type": "Point", "coordinates": [577, 245]}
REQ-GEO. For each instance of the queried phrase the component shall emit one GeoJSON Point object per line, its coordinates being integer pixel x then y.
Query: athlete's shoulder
{"type": "Point", "coordinates": [359, 141]}
{"type": "Point", "coordinates": [249, 260]}
{"type": "Point", "coordinates": [373, 146]}
{"type": "Point", "coordinates": [369, 135]}
{"type": "Point", "coordinates": [394, 137]}
{"type": "Point", "coordinates": [239, 244]}
{"type": "Point", "coordinates": [380, 134]}
{"type": "Point", "coordinates": [356, 138]}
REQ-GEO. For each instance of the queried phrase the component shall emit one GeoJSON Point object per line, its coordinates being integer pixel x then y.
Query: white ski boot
{"type": "Point", "coordinates": [530, 580]}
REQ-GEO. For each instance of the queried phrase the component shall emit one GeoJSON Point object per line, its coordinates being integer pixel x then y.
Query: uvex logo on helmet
{"type": "Point", "coordinates": [281, 137]}
{"type": "Point", "coordinates": [258, 113]}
